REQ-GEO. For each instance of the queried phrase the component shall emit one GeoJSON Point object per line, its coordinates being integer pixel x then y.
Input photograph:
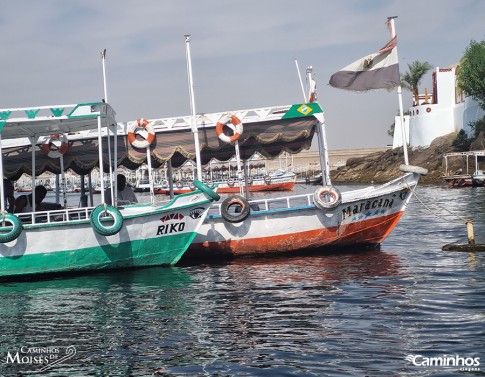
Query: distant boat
{"type": "Point", "coordinates": [277, 181]}
{"type": "Point", "coordinates": [462, 176]}
{"type": "Point", "coordinates": [478, 178]}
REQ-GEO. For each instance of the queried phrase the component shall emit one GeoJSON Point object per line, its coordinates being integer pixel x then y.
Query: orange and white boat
{"type": "Point", "coordinates": [277, 181]}
{"type": "Point", "coordinates": [325, 219]}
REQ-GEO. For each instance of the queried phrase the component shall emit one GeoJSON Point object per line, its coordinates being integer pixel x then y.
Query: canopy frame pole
{"type": "Point", "coordinates": [322, 143]}
{"type": "Point", "coordinates": [2, 188]}
{"type": "Point", "coordinates": [32, 141]}
{"type": "Point", "coordinates": [150, 174]}
{"type": "Point", "coordinates": [112, 177]}
{"type": "Point", "coordinates": [90, 185]}
{"type": "Point", "coordinates": [170, 178]}
{"type": "Point", "coordinates": [100, 156]}
{"type": "Point", "coordinates": [115, 150]}
{"type": "Point", "coordinates": [63, 180]}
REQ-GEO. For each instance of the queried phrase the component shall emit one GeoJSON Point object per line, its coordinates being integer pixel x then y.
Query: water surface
{"type": "Point", "coordinates": [353, 313]}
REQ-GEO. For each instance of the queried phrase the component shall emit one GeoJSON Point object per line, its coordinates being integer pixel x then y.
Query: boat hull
{"type": "Point", "coordinates": [150, 236]}
{"type": "Point", "coordinates": [459, 181]}
{"type": "Point", "coordinates": [364, 217]}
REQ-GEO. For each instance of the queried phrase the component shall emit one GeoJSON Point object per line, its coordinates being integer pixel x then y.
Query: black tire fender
{"type": "Point", "coordinates": [235, 202]}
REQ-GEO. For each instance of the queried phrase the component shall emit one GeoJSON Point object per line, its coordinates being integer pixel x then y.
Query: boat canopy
{"type": "Point", "coordinates": [268, 131]}
{"type": "Point", "coordinates": [21, 128]}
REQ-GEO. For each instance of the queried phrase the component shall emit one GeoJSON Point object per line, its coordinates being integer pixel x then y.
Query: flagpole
{"type": "Point", "coordinates": [399, 94]}
{"type": "Point", "coordinates": [192, 105]}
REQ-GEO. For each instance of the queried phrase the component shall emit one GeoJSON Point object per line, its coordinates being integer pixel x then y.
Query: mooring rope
{"type": "Point", "coordinates": [463, 220]}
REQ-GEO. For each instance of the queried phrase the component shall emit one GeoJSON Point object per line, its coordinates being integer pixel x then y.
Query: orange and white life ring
{"type": "Point", "coordinates": [237, 126]}
{"type": "Point", "coordinates": [55, 145]}
{"type": "Point", "coordinates": [133, 130]}
{"type": "Point", "coordinates": [327, 197]}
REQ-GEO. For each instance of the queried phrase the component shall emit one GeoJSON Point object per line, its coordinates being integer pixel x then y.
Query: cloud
{"type": "Point", "coordinates": [242, 53]}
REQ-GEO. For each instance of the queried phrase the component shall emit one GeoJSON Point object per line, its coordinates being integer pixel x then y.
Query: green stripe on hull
{"type": "Point", "coordinates": [160, 251]}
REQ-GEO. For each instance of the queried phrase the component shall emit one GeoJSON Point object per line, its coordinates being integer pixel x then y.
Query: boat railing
{"type": "Point", "coordinates": [55, 216]}
{"type": "Point", "coordinates": [271, 204]}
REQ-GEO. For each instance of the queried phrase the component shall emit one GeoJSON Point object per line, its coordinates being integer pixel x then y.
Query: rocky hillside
{"type": "Point", "coordinates": [382, 167]}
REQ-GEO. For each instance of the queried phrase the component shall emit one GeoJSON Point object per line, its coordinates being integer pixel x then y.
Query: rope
{"type": "Point", "coordinates": [462, 219]}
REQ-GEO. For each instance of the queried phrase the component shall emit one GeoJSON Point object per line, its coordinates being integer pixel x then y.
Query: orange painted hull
{"type": "Point", "coordinates": [363, 217]}
{"type": "Point", "coordinates": [366, 232]}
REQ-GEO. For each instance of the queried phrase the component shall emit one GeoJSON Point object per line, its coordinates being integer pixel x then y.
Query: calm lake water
{"type": "Point", "coordinates": [354, 313]}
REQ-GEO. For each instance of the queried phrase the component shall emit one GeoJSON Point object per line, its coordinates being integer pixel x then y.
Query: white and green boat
{"type": "Point", "coordinates": [93, 237]}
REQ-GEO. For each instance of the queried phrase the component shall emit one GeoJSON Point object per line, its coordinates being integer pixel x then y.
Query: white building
{"type": "Point", "coordinates": [439, 113]}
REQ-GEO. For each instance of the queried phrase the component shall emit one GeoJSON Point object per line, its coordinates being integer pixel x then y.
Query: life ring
{"type": "Point", "coordinates": [164, 183]}
{"type": "Point", "coordinates": [179, 184]}
{"type": "Point", "coordinates": [134, 127]}
{"type": "Point", "coordinates": [240, 209]}
{"type": "Point", "coordinates": [206, 189]}
{"type": "Point", "coordinates": [13, 231]}
{"type": "Point", "coordinates": [267, 179]}
{"type": "Point", "coordinates": [101, 214]}
{"type": "Point", "coordinates": [192, 186]}
{"type": "Point", "coordinates": [55, 145]}
{"type": "Point", "coordinates": [327, 197]}
{"type": "Point", "coordinates": [238, 128]}
{"type": "Point", "coordinates": [210, 184]}
{"type": "Point", "coordinates": [230, 182]}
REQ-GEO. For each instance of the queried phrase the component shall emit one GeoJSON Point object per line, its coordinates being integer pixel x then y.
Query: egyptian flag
{"type": "Point", "coordinates": [379, 70]}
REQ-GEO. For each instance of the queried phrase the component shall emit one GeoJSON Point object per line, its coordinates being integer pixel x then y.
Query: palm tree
{"type": "Point", "coordinates": [412, 79]}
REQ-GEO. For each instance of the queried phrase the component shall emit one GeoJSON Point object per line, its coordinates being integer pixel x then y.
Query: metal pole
{"type": "Point", "coordinates": [301, 81]}
{"type": "Point", "coordinates": [170, 178]}
{"type": "Point", "coordinates": [150, 176]}
{"type": "Point", "coordinates": [103, 58]}
{"type": "Point", "coordinates": [322, 144]}
{"type": "Point", "coordinates": [2, 197]}
{"type": "Point", "coordinates": [399, 94]}
{"type": "Point", "coordinates": [100, 156]}
{"type": "Point", "coordinates": [63, 180]}
{"type": "Point", "coordinates": [32, 141]}
{"type": "Point", "coordinates": [192, 105]}
{"type": "Point", "coordinates": [90, 184]}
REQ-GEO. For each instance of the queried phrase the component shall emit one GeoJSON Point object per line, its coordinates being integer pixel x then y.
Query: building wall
{"type": "Point", "coordinates": [450, 113]}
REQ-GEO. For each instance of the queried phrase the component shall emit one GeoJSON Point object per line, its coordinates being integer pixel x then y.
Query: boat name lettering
{"type": "Point", "coordinates": [365, 206]}
{"type": "Point", "coordinates": [171, 228]}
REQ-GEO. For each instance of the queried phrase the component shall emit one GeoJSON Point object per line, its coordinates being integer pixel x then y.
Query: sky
{"type": "Point", "coordinates": [243, 55]}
